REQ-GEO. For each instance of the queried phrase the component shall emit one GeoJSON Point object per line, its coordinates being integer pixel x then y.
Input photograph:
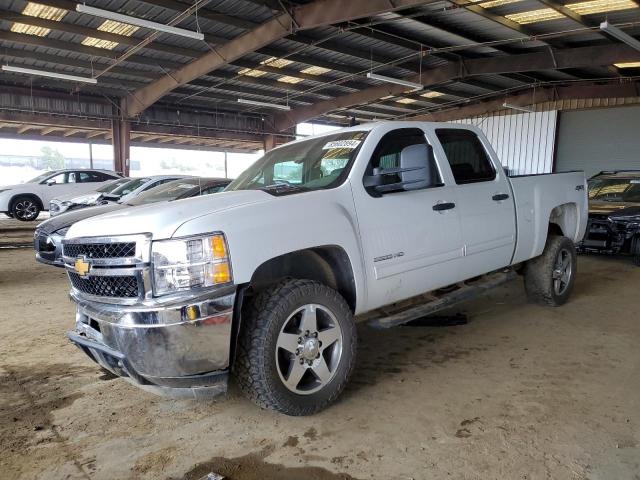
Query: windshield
{"type": "Point", "coordinates": [41, 177]}
{"type": "Point", "coordinates": [166, 192]}
{"type": "Point", "coordinates": [112, 185]}
{"type": "Point", "coordinates": [615, 190]}
{"type": "Point", "coordinates": [129, 187]}
{"type": "Point", "coordinates": [302, 166]}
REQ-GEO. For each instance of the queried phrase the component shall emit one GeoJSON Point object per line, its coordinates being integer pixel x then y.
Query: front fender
{"type": "Point", "coordinates": [259, 232]}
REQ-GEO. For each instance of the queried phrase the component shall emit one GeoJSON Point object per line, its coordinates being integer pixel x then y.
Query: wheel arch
{"type": "Point", "coordinates": [29, 195]}
{"type": "Point", "coordinates": [327, 264]}
{"type": "Point", "coordinates": [564, 220]}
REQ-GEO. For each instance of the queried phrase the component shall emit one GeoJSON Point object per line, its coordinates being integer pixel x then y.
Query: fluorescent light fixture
{"type": "Point", "coordinates": [397, 81]}
{"type": "Point", "coordinates": [139, 22]}
{"type": "Point", "coordinates": [43, 73]}
{"type": "Point", "coordinates": [534, 16]}
{"type": "Point", "coordinates": [249, 72]}
{"type": "Point", "coordinates": [620, 35]}
{"type": "Point", "coordinates": [516, 107]}
{"type": "Point", "coordinates": [314, 70]}
{"type": "Point", "coordinates": [627, 65]}
{"type": "Point", "coordinates": [405, 101]}
{"type": "Point", "coordinates": [288, 79]}
{"type": "Point", "coordinates": [601, 6]}
{"type": "Point", "coordinates": [276, 62]}
{"type": "Point", "coordinates": [263, 104]}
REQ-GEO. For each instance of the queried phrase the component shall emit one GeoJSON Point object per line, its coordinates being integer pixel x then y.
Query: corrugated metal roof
{"type": "Point", "coordinates": [389, 44]}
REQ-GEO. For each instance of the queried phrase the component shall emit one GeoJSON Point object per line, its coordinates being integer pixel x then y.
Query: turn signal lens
{"type": "Point", "coordinates": [218, 247]}
{"type": "Point", "coordinates": [221, 273]}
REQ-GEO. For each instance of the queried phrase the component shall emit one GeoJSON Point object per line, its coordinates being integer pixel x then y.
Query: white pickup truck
{"type": "Point", "coordinates": [265, 279]}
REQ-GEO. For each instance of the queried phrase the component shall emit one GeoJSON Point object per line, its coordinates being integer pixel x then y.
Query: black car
{"type": "Point", "coordinates": [48, 236]}
{"type": "Point", "coordinates": [614, 214]}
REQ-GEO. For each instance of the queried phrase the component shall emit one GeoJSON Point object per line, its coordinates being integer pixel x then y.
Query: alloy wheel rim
{"type": "Point", "coordinates": [25, 209]}
{"type": "Point", "coordinates": [562, 271]}
{"type": "Point", "coordinates": [308, 349]}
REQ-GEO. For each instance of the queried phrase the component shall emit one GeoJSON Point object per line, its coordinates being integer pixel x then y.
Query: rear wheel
{"type": "Point", "coordinates": [549, 278]}
{"type": "Point", "coordinates": [25, 209]}
{"type": "Point", "coordinates": [297, 347]}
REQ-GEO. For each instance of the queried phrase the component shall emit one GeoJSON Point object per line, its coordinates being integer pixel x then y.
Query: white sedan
{"type": "Point", "coordinates": [25, 201]}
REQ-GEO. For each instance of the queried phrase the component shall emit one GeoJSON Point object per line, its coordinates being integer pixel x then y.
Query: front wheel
{"type": "Point", "coordinates": [297, 347]}
{"type": "Point", "coordinates": [549, 278]}
{"type": "Point", "coordinates": [25, 209]}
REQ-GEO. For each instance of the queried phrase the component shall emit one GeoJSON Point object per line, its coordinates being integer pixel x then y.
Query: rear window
{"type": "Point", "coordinates": [466, 155]}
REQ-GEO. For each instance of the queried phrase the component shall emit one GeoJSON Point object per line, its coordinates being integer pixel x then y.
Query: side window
{"type": "Point", "coordinates": [152, 185]}
{"type": "Point", "coordinates": [58, 179]}
{"type": "Point", "coordinates": [466, 155]}
{"type": "Point", "coordinates": [388, 155]}
{"type": "Point", "coordinates": [88, 177]}
{"type": "Point", "coordinates": [288, 171]}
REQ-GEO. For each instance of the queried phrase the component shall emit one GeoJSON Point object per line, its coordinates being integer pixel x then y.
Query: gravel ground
{"type": "Point", "coordinates": [520, 392]}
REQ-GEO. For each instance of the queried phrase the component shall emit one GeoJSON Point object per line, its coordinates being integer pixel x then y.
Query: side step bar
{"type": "Point", "coordinates": [439, 300]}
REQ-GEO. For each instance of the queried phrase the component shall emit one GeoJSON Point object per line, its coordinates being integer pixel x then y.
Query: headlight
{"type": "Point", "coordinates": [62, 232]}
{"type": "Point", "coordinates": [66, 203]}
{"type": "Point", "coordinates": [190, 263]}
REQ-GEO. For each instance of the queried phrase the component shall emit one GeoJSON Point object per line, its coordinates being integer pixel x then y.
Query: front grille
{"type": "Point", "coordinates": [106, 286]}
{"type": "Point", "coordinates": [101, 250]}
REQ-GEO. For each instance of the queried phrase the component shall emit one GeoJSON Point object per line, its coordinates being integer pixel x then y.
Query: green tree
{"type": "Point", "coordinates": [51, 158]}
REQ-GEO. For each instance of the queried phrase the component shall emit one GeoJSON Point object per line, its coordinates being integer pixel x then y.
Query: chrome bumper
{"type": "Point", "coordinates": [159, 348]}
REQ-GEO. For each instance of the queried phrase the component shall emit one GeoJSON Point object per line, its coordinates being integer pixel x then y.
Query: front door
{"type": "Point", "coordinates": [412, 240]}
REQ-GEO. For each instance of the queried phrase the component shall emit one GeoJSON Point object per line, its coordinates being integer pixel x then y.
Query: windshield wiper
{"type": "Point", "coordinates": [283, 186]}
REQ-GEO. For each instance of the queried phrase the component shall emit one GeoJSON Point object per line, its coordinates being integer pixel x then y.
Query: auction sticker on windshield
{"type": "Point", "coordinates": [350, 144]}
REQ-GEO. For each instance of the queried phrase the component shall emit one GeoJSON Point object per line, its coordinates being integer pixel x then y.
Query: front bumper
{"type": "Point", "coordinates": [158, 348]}
{"type": "Point", "coordinates": [608, 236]}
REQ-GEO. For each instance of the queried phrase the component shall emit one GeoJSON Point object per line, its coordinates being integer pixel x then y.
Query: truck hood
{"type": "Point", "coordinates": [69, 218]}
{"type": "Point", "coordinates": [613, 209]}
{"type": "Point", "coordinates": [161, 220]}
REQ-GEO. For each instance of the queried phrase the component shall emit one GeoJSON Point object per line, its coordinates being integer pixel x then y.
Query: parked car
{"type": "Point", "coordinates": [25, 201]}
{"type": "Point", "coordinates": [136, 186]}
{"type": "Point", "coordinates": [73, 201]}
{"type": "Point", "coordinates": [264, 279]}
{"type": "Point", "coordinates": [614, 214]}
{"type": "Point", "coordinates": [49, 234]}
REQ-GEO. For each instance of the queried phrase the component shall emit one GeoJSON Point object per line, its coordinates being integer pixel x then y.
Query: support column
{"type": "Point", "coordinates": [121, 142]}
{"type": "Point", "coordinates": [269, 142]}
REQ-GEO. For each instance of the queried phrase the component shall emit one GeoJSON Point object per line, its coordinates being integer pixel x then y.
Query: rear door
{"type": "Point", "coordinates": [484, 201]}
{"type": "Point", "coordinates": [412, 241]}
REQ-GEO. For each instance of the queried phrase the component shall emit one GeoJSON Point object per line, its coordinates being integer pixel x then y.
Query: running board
{"type": "Point", "coordinates": [388, 317]}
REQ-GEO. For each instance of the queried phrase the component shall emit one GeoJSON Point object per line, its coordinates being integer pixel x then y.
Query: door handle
{"type": "Point", "coordinates": [438, 207]}
{"type": "Point", "coordinates": [499, 197]}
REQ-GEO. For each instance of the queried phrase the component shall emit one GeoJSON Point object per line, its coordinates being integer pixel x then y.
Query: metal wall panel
{"type": "Point", "coordinates": [524, 142]}
{"type": "Point", "coordinates": [599, 139]}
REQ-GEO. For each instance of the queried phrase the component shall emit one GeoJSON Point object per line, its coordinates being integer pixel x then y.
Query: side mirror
{"type": "Point", "coordinates": [417, 170]}
{"type": "Point", "coordinates": [51, 181]}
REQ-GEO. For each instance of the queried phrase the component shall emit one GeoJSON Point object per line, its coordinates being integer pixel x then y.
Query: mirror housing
{"type": "Point", "coordinates": [417, 170]}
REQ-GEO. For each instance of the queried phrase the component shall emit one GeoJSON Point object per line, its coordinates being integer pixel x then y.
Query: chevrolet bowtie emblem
{"type": "Point", "coordinates": [82, 267]}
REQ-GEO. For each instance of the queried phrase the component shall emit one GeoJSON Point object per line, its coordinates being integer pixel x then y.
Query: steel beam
{"type": "Point", "coordinates": [317, 14]}
{"type": "Point", "coordinates": [545, 60]}
{"type": "Point", "coordinates": [531, 97]}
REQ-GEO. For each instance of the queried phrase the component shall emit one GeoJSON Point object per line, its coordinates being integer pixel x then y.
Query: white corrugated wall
{"type": "Point", "coordinates": [524, 142]}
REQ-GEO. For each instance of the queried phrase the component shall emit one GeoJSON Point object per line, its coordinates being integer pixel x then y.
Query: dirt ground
{"type": "Point", "coordinates": [520, 392]}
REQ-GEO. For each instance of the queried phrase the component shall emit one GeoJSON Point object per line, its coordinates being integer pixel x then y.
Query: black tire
{"type": "Point", "coordinates": [635, 250]}
{"type": "Point", "coordinates": [258, 368]}
{"type": "Point", "coordinates": [542, 274]}
{"type": "Point", "coordinates": [25, 208]}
